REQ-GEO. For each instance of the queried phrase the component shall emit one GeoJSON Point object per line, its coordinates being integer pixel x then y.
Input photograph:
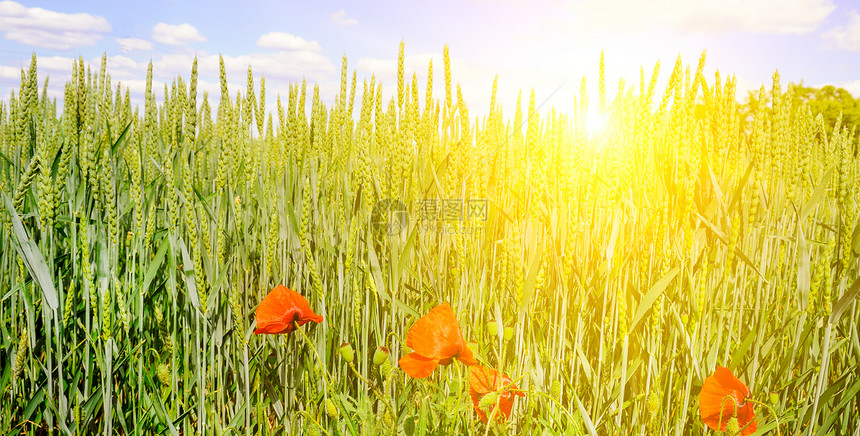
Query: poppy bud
{"type": "Point", "coordinates": [488, 402]}
{"type": "Point", "coordinates": [653, 405]}
{"type": "Point", "coordinates": [380, 356]}
{"type": "Point", "coordinates": [388, 418]}
{"type": "Point", "coordinates": [509, 333]}
{"type": "Point", "coordinates": [454, 385]}
{"type": "Point", "coordinates": [386, 368]}
{"type": "Point", "coordinates": [555, 390]}
{"type": "Point", "coordinates": [311, 429]}
{"type": "Point", "coordinates": [774, 398]}
{"type": "Point", "coordinates": [163, 372]}
{"type": "Point", "coordinates": [492, 328]}
{"type": "Point", "coordinates": [331, 409]}
{"type": "Point", "coordinates": [346, 352]}
{"type": "Point", "coordinates": [733, 427]}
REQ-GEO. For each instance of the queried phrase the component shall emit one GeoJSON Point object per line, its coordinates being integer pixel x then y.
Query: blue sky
{"type": "Point", "coordinates": [542, 45]}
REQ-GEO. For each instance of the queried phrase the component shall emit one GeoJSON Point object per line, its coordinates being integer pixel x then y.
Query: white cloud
{"type": "Point", "coordinates": [180, 34]}
{"type": "Point", "coordinates": [385, 69]}
{"type": "Point", "coordinates": [852, 87]}
{"type": "Point", "coordinates": [476, 79]}
{"type": "Point", "coordinates": [9, 73]}
{"type": "Point", "coordinates": [848, 36]}
{"type": "Point", "coordinates": [340, 18]}
{"type": "Point", "coordinates": [134, 44]}
{"type": "Point", "coordinates": [704, 16]}
{"type": "Point", "coordinates": [43, 28]}
{"type": "Point", "coordinates": [57, 64]}
{"type": "Point", "coordinates": [285, 41]}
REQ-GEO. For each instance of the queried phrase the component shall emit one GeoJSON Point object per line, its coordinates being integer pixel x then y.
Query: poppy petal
{"type": "Point", "coordinates": [728, 380]}
{"type": "Point", "coordinates": [746, 417]}
{"type": "Point", "coordinates": [437, 334]}
{"type": "Point", "coordinates": [417, 366]}
{"type": "Point", "coordinates": [723, 397]}
{"type": "Point", "coordinates": [481, 379]}
{"type": "Point", "coordinates": [465, 355]}
{"type": "Point", "coordinates": [271, 328]}
{"type": "Point", "coordinates": [476, 401]}
{"type": "Point", "coordinates": [506, 403]}
{"type": "Point", "coordinates": [281, 310]}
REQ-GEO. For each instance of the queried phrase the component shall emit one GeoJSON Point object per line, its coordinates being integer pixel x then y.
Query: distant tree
{"type": "Point", "coordinates": [829, 101]}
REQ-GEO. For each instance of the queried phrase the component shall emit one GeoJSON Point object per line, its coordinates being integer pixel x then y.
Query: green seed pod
{"type": "Point", "coordinates": [388, 418]}
{"type": "Point", "coordinates": [774, 398]}
{"type": "Point", "coordinates": [311, 429]}
{"type": "Point", "coordinates": [163, 372]}
{"type": "Point", "coordinates": [492, 328]}
{"type": "Point", "coordinates": [346, 352]}
{"type": "Point", "coordinates": [555, 390]}
{"type": "Point", "coordinates": [380, 356]}
{"type": "Point", "coordinates": [331, 409]}
{"type": "Point", "coordinates": [488, 402]}
{"type": "Point", "coordinates": [653, 405]}
{"type": "Point", "coordinates": [386, 368]}
{"type": "Point", "coordinates": [733, 427]}
{"type": "Point", "coordinates": [509, 333]}
{"type": "Point", "coordinates": [454, 385]}
{"type": "Point", "coordinates": [21, 357]}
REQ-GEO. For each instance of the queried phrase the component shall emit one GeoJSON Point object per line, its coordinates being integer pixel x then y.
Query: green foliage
{"type": "Point", "coordinates": [618, 267]}
{"type": "Point", "coordinates": [832, 103]}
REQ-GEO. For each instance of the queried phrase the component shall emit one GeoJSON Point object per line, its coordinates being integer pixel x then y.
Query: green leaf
{"type": "Point", "coordinates": [741, 185]}
{"type": "Point", "coordinates": [651, 296]}
{"type": "Point", "coordinates": [120, 138]}
{"type": "Point", "coordinates": [817, 195]}
{"type": "Point", "coordinates": [586, 420]}
{"type": "Point", "coordinates": [722, 237]}
{"type": "Point", "coordinates": [531, 280]}
{"type": "Point", "coordinates": [717, 190]}
{"type": "Point", "coordinates": [154, 265]}
{"type": "Point", "coordinates": [162, 413]}
{"type": "Point", "coordinates": [36, 402]}
{"type": "Point", "coordinates": [803, 275]}
{"type": "Point", "coordinates": [856, 238]}
{"type": "Point", "coordinates": [742, 349]}
{"type": "Point", "coordinates": [32, 257]}
{"type": "Point", "coordinates": [238, 421]}
{"type": "Point", "coordinates": [845, 301]}
{"type": "Point", "coordinates": [205, 203]}
{"type": "Point", "coordinates": [188, 274]}
{"type": "Point", "coordinates": [6, 158]}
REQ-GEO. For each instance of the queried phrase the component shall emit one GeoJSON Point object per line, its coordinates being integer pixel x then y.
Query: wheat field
{"type": "Point", "coordinates": [624, 263]}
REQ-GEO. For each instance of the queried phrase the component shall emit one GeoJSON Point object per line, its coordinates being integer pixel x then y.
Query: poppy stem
{"type": "Point", "coordinates": [460, 384]}
{"type": "Point", "coordinates": [770, 409]}
{"type": "Point", "coordinates": [492, 417]}
{"type": "Point", "coordinates": [557, 403]}
{"type": "Point", "coordinates": [357, 374]}
{"type": "Point", "coordinates": [313, 420]}
{"type": "Point", "coordinates": [320, 363]}
{"type": "Point", "coordinates": [723, 408]}
{"type": "Point", "coordinates": [375, 389]}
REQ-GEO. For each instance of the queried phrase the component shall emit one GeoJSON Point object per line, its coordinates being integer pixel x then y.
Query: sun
{"type": "Point", "coordinates": [595, 122]}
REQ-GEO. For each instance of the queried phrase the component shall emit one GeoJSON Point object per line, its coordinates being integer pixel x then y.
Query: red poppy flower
{"type": "Point", "coordinates": [484, 380]}
{"type": "Point", "coordinates": [436, 340]}
{"type": "Point", "coordinates": [283, 311]}
{"type": "Point", "coordinates": [722, 398]}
